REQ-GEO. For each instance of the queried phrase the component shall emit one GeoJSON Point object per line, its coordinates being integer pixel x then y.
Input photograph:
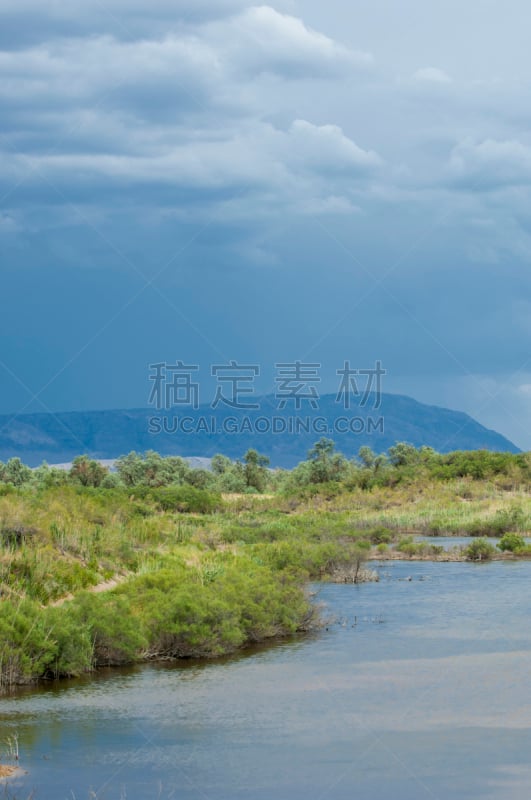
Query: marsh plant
{"type": "Point", "coordinates": [158, 560]}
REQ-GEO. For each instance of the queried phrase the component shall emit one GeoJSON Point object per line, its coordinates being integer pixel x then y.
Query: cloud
{"type": "Point", "coordinates": [262, 39]}
{"type": "Point", "coordinates": [28, 22]}
{"type": "Point", "coordinates": [177, 113]}
{"type": "Point", "coordinates": [251, 38]}
{"type": "Point", "coordinates": [74, 73]}
{"type": "Point", "coordinates": [235, 122]}
{"type": "Point", "coordinates": [325, 148]}
{"type": "Point", "coordinates": [490, 164]}
{"type": "Point", "coordinates": [431, 75]}
{"type": "Point", "coordinates": [306, 164]}
{"type": "Point", "coordinates": [206, 69]}
{"type": "Point", "coordinates": [94, 8]}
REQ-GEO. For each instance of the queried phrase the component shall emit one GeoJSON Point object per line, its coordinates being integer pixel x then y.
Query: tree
{"type": "Point", "coordinates": [255, 469]}
{"type": "Point", "coordinates": [200, 478]}
{"type": "Point", "coordinates": [87, 472]}
{"type": "Point", "coordinates": [16, 472]}
{"type": "Point", "coordinates": [232, 480]}
{"type": "Point", "coordinates": [367, 457]}
{"type": "Point", "coordinates": [220, 464]}
{"type": "Point", "coordinates": [325, 464]}
{"type": "Point", "coordinates": [322, 450]}
{"type": "Point", "coordinates": [152, 469]}
{"type": "Point", "coordinates": [45, 476]}
{"type": "Point", "coordinates": [130, 468]}
{"type": "Point", "coordinates": [159, 471]}
{"type": "Point", "coordinates": [403, 454]}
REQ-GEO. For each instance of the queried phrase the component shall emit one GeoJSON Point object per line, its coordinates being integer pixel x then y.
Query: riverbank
{"type": "Point", "coordinates": [448, 556]}
{"type": "Point", "coordinates": [428, 641]}
{"type": "Point", "coordinates": [7, 771]}
{"type": "Point", "coordinates": [93, 578]}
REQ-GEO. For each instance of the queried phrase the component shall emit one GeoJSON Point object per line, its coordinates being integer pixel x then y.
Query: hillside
{"type": "Point", "coordinates": [106, 434]}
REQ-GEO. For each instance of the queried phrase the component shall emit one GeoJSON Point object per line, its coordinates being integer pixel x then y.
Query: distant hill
{"type": "Point", "coordinates": [59, 437]}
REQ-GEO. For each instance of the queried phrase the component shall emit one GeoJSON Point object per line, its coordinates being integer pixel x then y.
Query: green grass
{"type": "Point", "coordinates": [208, 581]}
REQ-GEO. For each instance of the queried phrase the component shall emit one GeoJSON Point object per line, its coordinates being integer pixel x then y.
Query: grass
{"type": "Point", "coordinates": [185, 583]}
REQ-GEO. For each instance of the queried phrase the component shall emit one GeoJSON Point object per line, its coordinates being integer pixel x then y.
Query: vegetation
{"type": "Point", "coordinates": [158, 560]}
{"type": "Point", "coordinates": [480, 550]}
{"type": "Point", "coordinates": [402, 465]}
{"type": "Point", "coordinates": [512, 543]}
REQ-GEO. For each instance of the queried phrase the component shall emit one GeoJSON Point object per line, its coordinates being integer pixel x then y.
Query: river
{"type": "Point", "coordinates": [417, 689]}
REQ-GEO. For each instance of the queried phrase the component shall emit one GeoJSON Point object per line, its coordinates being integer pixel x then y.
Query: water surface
{"type": "Point", "coordinates": [418, 689]}
{"type": "Point", "coordinates": [448, 542]}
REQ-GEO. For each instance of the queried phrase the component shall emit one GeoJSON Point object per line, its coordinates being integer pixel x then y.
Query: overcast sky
{"type": "Point", "coordinates": [213, 180]}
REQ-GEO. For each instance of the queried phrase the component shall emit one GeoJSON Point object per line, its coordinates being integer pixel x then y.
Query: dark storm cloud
{"type": "Point", "coordinates": [29, 22]}
{"type": "Point", "coordinates": [341, 176]}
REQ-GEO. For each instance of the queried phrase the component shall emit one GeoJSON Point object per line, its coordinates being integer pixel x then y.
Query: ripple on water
{"type": "Point", "coordinates": [418, 687]}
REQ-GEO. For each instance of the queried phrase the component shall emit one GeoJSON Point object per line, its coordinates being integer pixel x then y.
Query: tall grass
{"type": "Point", "coordinates": [200, 582]}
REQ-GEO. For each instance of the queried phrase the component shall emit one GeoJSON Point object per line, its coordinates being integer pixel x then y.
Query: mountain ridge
{"type": "Point", "coordinates": [108, 433]}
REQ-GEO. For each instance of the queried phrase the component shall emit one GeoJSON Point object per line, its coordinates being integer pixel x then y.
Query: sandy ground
{"type": "Point", "coordinates": [9, 772]}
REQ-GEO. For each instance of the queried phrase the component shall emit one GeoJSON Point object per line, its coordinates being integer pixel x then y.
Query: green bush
{"type": "Point", "coordinates": [186, 499]}
{"type": "Point", "coordinates": [512, 543]}
{"type": "Point", "coordinates": [381, 535]}
{"type": "Point", "coordinates": [480, 550]}
{"type": "Point", "coordinates": [217, 610]}
{"type": "Point", "coordinates": [408, 548]}
{"type": "Point", "coordinates": [503, 521]}
{"type": "Point", "coordinates": [27, 646]}
{"type": "Point", "coordinates": [108, 621]}
{"type": "Point", "coordinates": [74, 647]}
{"type": "Point", "coordinates": [406, 544]}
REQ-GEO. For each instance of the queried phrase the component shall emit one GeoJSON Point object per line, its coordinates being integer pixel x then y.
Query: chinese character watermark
{"type": "Point", "coordinates": [296, 383]}
{"type": "Point", "coordinates": [176, 385]}
{"type": "Point", "coordinates": [348, 386]}
{"type": "Point", "coordinates": [238, 380]}
{"type": "Point", "coordinates": [173, 385]}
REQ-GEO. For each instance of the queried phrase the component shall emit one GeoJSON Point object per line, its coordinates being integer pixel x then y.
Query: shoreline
{"type": "Point", "coordinates": [7, 771]}
{"type": "Point", "coordinates": [114, 577]}
{"type": "Point", "coordinates": [446, 557]}
{"type": "Point", "coordinates": [345, 575]}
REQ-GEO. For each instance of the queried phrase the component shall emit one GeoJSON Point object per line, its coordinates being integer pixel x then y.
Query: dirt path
{"type": "Point", "coordinates": [104, 586]}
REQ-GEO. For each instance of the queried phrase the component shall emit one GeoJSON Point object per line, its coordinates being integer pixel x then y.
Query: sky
{"type": "Point", "coordinates": [207, 180]}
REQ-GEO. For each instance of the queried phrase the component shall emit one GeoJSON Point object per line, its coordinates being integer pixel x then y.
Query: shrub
{"type": "Point", "coordinates": [408, 548]}
{"type": "Point", "coordinates": [381, 535]}
{"type": "Point", "coordinates": [74, 649]}
{"type": "Point", "coordinates": [26, 645]}
{"type": "Point", "coordinates": [512, 543]}
{"type": "Point", "coordinates": [186, 498]}
{"type": "Point", "coordinates": [480, 550]}
{"type": "Point", "coordinates": [110, 625]}
{"type": "Point", "coordinates": [503, 521]}
{"type": "Point", "coordinates": [406, 545]}
{"type": "Point", "coordinates": [209, 613]}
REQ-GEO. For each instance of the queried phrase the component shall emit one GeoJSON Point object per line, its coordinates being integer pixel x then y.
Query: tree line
{"type": "Point", "coordinates": [252, 474]}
